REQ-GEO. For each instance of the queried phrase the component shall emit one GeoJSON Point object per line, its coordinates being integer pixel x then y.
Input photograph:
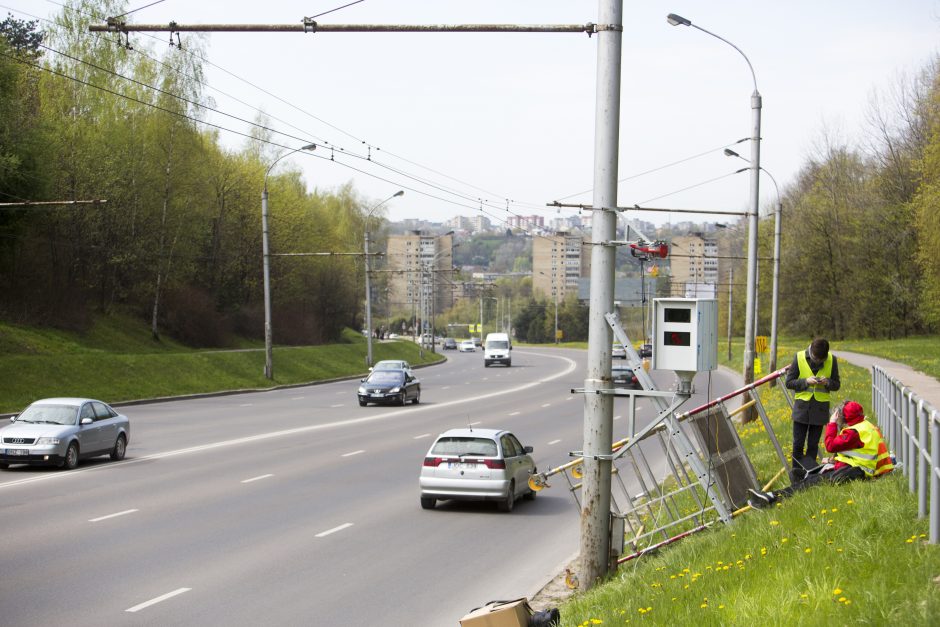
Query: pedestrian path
{"type": "Point", "coordinates": [925, 386]}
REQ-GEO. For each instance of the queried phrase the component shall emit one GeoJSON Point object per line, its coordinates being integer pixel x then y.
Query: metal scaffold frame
{"type": "Point", "coordinates": [690, 488]}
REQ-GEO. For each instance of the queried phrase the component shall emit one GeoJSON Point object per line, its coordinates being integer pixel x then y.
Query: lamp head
{"type": "Point", "coordinates": [678, 20]}
{"type": "Point", "coordinates": [309, 147]}
{"type": "Point", "coordinates": [400, 192]}
{"type": "Point", "coordinates": [731, 153]}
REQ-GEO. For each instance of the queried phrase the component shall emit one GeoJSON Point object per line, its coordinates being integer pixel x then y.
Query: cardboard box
{"type": "Point", "coordinates": [499, 614]}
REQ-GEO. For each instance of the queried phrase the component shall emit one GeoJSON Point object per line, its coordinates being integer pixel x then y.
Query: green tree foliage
{"type": "Point", "coordinates": [926, 207]}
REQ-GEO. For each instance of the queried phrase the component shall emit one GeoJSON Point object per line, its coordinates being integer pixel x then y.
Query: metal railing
{"type": "Point", "coordinates": [911, 427]}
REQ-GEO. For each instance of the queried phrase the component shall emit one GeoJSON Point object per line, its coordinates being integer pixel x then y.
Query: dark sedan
{"type": "Point", "coordinates": [623, 377]}
{"type": "Point", "coordinates": [391, 387]}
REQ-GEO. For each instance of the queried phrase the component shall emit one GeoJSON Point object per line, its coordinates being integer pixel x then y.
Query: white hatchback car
{"type": "Point", "coordinates": [467, 346]}
{"type": "Point", "coordinates": [477, 465]}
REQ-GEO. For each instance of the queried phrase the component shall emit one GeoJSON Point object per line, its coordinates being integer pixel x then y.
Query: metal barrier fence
{"type": "Point", "coordinates": [905, 420]}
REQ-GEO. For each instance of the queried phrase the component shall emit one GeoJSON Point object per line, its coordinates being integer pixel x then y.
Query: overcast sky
{"type": "Point", "coordinates": [464, 121]}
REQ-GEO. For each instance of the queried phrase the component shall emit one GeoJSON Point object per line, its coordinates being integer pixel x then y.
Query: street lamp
{"type": "Point", "coordinates": [400, 192]}
{"type": "Point", "coordinates": [778, 211]}
{"type": "Point", "coordinates": [265, 253]}
{"type": "Point", "coordinates": [749, 326]}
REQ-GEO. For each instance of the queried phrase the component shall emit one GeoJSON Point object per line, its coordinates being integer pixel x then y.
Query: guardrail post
{"type": "Point", "coordinates": [922, 460]}
{"type": "Point", "coordinates": [934, 478]}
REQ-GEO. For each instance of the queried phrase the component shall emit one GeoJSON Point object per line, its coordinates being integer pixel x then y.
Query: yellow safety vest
{"type": "Point", "coordinates": [819, 391]}
{"type": "Point", "coordinates": [873, 457]}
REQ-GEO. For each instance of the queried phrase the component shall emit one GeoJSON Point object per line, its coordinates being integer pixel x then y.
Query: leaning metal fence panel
{"type": "Point", "coordinates": [912, 428]}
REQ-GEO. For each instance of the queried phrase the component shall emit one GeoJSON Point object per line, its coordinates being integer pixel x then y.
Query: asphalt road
{"type": "Point", "coordinates": [298, 507]}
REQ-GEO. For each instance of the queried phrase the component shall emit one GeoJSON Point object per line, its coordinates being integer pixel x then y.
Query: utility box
{"type": "Point", "coordinates": [685, 334]}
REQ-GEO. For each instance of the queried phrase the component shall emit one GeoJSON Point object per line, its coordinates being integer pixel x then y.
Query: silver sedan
{"type": "Point", "coordinates": [61, 431]}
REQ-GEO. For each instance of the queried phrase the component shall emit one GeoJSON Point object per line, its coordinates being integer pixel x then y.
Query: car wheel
{"type": "Point", "coordinates": [71, 457]}
{"type": "Point", "coordinates": [120, 448]}
{"type": "Point", "coordinates": [506, 505]}
{"type": "Point", "coordinates": [401, 399]}
{"type": "Point", "coordinates": [4, 466]}
{"type": "Point", "coordinates": [362, 403]}
{"type": "Point", "coordinates": [428, 502]}
{"type": "Point", "coordinates": [417, 398]}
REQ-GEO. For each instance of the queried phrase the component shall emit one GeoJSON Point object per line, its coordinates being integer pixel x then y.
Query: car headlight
{"type": "Point", "coordinates": [47, 441]}
{"type": "Point", "coordinates": [362, 390]}
{"type": "Point", "coordinates": [394, 391]}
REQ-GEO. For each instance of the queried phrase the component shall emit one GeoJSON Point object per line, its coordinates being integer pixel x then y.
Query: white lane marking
{"type": "Point", "coordinates": [258, 478]}
{"type": "Point", "coordinates": [569, 398]}
{"type": "Point", "coordinates": [341, 393]}
{"type": "Point", "coordinates": [246, 404]}
{"type": "Point", "coordinates": [515, 413]}
{"type": "Point", "coordinates": [252, 439]}
{"type": "Point", "coordinates": [547, 405]}
{"type": "Point", "coordinates": [100, 518]}
{"type": "Point", "coordinates": [446, 387]}
{"type": "Point", "coordinates": [297, 398]}
{"type": "Point", "coordinates": [353, 453]}
{"type": "Point", "coordinates": [554, 442]}
{"type": "Point", "coordinates": [335, 406]}
{"type": "Point", "coordinates": [473, 424]}
{"type": "Point", "coordinates": [323, 534]}
{"type": "Point", "coordinates": [423, 435]}
{"type": "Point", "coordinates": [164, 597]}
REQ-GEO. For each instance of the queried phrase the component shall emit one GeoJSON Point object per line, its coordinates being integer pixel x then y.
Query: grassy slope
{"type": "Point", "coordinates": [117, 361]}
{"type": "Point", "coordinates": [854, 553]}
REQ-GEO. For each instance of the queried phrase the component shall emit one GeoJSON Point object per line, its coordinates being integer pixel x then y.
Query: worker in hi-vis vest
{"type": "Point", "coordinates": [813, 374]}
{"type": "Point", "coordinates": [859, 452]}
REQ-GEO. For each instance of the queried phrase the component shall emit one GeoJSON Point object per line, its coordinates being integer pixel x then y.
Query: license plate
{"type": "Point", "coordinates": [17, 451]}
{"type": "Point", "coordinates": [377, 395]}
{"type": "Point", "coordinates": [459, 466]}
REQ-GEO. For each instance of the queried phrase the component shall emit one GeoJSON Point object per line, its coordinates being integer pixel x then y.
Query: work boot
{"type": "Point", "coordinates": [760, 500]}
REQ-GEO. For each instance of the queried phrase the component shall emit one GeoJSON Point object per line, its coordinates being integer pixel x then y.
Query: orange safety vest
{"type": "Point", "coordinates": [873, 457]}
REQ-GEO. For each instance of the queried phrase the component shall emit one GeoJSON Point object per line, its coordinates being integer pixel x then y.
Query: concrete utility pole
{"type": "Point", "coordinates": [598, 408]}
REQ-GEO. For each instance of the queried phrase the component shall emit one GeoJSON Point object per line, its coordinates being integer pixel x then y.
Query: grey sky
{"type": "Point", "coordinates": [508, 119]}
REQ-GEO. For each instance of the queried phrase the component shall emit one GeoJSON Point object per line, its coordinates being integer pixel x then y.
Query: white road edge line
{"type": "Point", "coordinates": [554, 442]}
{"type": "Point", "coordinates": [164, 597]}
{"type": "Point", "coordinates": [515, 413]}
{"type": "Point", "coordinates": [125, 512]}
{"type": "Point", "coordinates": [478, 422]}
{"type": "Point", "coordinates": [572, 365]}
{"type": "Point", "coordinates": [353, 453]}
{"type": "Point", "coordinates": [547, 405]}
{"type": "Point", "coordinates": [423, 435]}
{"type": "Point", "coordinates": [258, 478]}
{"type": "Point", "coordinates": [323, 534]}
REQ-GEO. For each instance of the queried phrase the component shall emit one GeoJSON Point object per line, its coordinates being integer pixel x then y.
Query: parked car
{"type": "Point", "coordinates": [624, 377]}
{"type": "Point", "coordinates": [617, 351]}
{"type": "Point", "coordinates": [62, 431]}
{"type": "Point", "coordinates": [467, 346]}
{"type": "Point", "coordinates": [450, 344]}
{"type": "Point", "coordinates": [476, 465]}
{"type": "Point", "coordinates": [646, 351]}
{"type": "Point", "coordinates": [388, 387]}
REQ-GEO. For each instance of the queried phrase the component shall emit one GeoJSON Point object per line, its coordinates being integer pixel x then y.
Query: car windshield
{"type": "Point", "coordinates": [386, 377]}
{"type": "Point", "coordinates": [497, 344]}
{"type": "Point", "coordinates": [390, 365]}
{"type": "Point", "coordinates": [49, 414]}
{"type": "Point", "coordinates": [465, 445]}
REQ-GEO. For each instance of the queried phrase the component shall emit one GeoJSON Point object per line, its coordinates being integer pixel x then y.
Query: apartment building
{"type": "Point", "coordinates": [693, 263]}
{"type": "Point", "coordinates": [421, 272]}
{"type": "Point", "coordinates": [558, 262]}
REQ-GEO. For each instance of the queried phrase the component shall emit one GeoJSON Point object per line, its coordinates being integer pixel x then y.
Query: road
{"type": "Point", "coordinates": [297, 506]}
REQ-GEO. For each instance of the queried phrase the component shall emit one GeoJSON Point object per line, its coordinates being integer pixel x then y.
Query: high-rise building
{"type": "Point", "coordinates": [693, 263]}
{"type": "Point", "coordinates": [558, 262]}
{"type": "Point", "coordinates": [422, 275]}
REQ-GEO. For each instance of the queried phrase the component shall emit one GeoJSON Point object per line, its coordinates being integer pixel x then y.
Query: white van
{"type": "Point", "coordinates": [497, 349]}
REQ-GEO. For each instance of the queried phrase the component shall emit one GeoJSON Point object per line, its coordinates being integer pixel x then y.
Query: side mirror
{"type": "Point", "coordinates": [528, 449]}
{"type": "Point", "coordinates": [362, 380]}
{"type": "Point", "coordinates": [12, 418]}
{"type": "Point", "coordinates": [86, 421]}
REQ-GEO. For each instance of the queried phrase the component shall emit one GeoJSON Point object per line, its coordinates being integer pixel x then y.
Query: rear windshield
{"type": "Point", "coordinates": [497, 345]}
{"type": "Point", "coordinates": [484, 447]}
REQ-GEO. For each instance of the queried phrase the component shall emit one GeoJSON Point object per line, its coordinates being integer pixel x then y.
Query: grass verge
{"type": "Point", "coordinates": [849, 554]}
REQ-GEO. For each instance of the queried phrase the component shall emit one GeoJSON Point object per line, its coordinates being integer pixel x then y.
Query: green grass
{"type": "Point", "coordinates": [832, 555]}
{"type": "Point", "coordinates": [118, 361]}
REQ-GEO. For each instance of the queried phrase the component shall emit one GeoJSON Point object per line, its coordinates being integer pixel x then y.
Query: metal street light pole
{"type": "Point", "coordinates": [749, 322]}
{"type": "Point", "coordinates": [778, 212]}
{"type": "Point", "coordinates": [400, 192]}
{"type": "Point", "coordinates": [266, 254]}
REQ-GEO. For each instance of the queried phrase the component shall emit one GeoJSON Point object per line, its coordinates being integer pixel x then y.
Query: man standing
{"type": "Point", "coordinates": [813, 374]}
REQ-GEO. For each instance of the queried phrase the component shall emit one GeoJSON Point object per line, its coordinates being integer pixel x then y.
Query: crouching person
{"type": "Point", "coordinates": [858, 452]}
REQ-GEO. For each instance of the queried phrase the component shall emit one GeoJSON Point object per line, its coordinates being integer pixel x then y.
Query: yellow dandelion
{"type": "Point", "coordinates": [774, 523]}
{"type": "Point", "coordinates": [848, 601]}
{"type": "Point", "coordinates": [808, 550]}
{"type": "Point", "coordinates": [909, 541]}
{"type": "Point", "coordinates": [834, 510]}
{"type": "Point", "coordinates": [837, 591]}
{"type": "Point", "coordinates": [804, 596]}
{"type": "Point", "coordinates": [849, 502]}
{"type": "Point", "coordinates": [824, 511]}
{"type": "Point", "coordinates": [784, 540]}
{"type": "Point", "coordinates": [596, 621]}
{"type": "Point", "coordinates": [703, 605]}
{"type": "Point", "coordinates": [748, 556]}
{"type": "Point", "coordinates": [721, 607]}
{"type": "Point", "coordinates": [763, 550]}
{"type": "Point", "coordinates": [813, 516]}
{"type": "Point", "coordinates": [838, 550]}
{"type": "Point", "coordinates": [842, 599]}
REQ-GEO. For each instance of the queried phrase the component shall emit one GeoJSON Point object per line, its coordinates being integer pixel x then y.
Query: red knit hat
{"type": "Point", "coordinates": [853, 410]}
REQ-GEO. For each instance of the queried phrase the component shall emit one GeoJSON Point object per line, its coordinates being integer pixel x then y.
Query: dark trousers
{"type": "Point", "coordinates": [847, 473]}
{"type": "Point", "coordinates": [806, 444]}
